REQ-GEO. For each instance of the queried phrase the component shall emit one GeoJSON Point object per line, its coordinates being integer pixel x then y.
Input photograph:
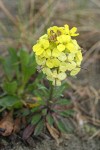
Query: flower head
{"type": "Point", "coordinates": [58, 54]}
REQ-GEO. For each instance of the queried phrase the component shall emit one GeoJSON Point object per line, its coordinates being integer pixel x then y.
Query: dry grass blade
{"type": "Point", "coordinates": [42, 10]}
{"type": "Point", "coordinates": [54, 133]}
{"type": "Point", "coordinates": [31, 9]}
{"type": "Point", "coordinates": [96, 134]}
{"type": "Point", "coordinates": [90, 51]}
{"type": "Point", "coordinates": [41, 28]}
{"type": "Point", "coordinates": [94, 103]}
{"type": "Point", "coordinates": [96, 2]}
{"type": "Point", "coordinates": [7, 13]}
{"type": "Point", "coordinates": [3, 29]}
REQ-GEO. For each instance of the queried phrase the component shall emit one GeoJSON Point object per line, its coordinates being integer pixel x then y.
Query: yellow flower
{"type": "Point", "coordinates": [50, 78]}
{"type": "Point", "coordinates": [48, 53]}
{"type": "Point", "coordinates": [55, 52]}
{"type": "Point", "coordinates": [63, 39]}
{"type": "Point", "coordinates": [73, 32]}
{"type": "Point", "coordinates": [63, 66]}
{"type": "Point", "coordinates": [44, 43]}
{"type": "Point", "coordinates": [55, 62]}
{"type": "Point", "coordinates": [61, 47]}
{"type": "Point", "coordinates": [58, 54]}
{"type": "Point", "coordinates": [52, 30]}
{"type": "Point", "coordinates": [71, 57]}
{"type": "Point", "coordinates": [38, 49]}
{"type": "Point", "coordinates": [76, 44]}
{"type": "Point", "coordinates": [66, 29]}
{"type": "Point", "coordinates": [40, 61]}
{"type": "Point", "coordinates": [79, 56]}
{"type": "Point", "coordinates": [54, 74]}
{"type": "Point", "coordinates": [71, 65]}
{"type": "Point", "coordinates": [49, 63]}
{"type": "Point", "coordinates": [45, 36]}
{"type": "Point", "coordinates": [74, 71]}
{"type": "Point", "coordinates": [71, 48]}
{"type": "Point", "coordinates": [62, 76]}
{"type": "Point", "coordinates": [62, 56]}
{"type": "Point", "coordinates": [47, 71]}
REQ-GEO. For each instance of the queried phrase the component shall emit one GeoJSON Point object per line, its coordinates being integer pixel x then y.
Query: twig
{"type": "Point", "coordinates": [51, 92]}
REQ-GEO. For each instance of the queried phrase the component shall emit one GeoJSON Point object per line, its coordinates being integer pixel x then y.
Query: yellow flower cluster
{"type": "Point", "coordinates": [58, 53]}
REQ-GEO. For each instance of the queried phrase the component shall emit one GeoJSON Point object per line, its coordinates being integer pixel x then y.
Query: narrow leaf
{"type": "Point", "coordinates": [50, 119]}
{"type": "Point", "coordinates": [39, 128]}
{"type": "Point", "coordinates": [67, 113]}
{"type": "Point", "coordinates": [27, 132]}
{"type": "Point", "coordinates": [63, 102]}
{"type": "Point", "coordinates": [59, 90]}
{"type": "Point", "coordinates": [35, 119]}
{"type": "Point", "coordinates": [61, 126]}
{"type": "Point", "coordinates": [10, 87]}
{"type": "Point", "coordinates": [7, 67]}
{"type": "Point", "coordinates": [10, 101]}
{"type": "Point", "coordinates": [14, 60]}
{"type": "Point", "coordinates": [35, 109]}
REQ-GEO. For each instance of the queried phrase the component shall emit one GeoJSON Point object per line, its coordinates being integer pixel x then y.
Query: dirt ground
{"type": "Point", "coordinates": [74, 143]}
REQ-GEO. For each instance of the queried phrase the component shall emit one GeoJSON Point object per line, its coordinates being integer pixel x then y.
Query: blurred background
{"type": "Point", "coordinates": [23, 21]}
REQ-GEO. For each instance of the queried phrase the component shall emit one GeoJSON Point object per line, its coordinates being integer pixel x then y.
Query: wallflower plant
{"type": "Point", "coordinates": [29, 93]}
{"type": "Point", "coordinates": [58, 55]}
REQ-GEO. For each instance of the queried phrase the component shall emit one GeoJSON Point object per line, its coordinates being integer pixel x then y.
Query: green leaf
{"type": "Point", "coordinates": [7, 67]}
{"type": "Point", "coordinates": [25, 112]}
{"type": "Point", "coordinates": [58, 91]}
{"type": "Point", "coordinates": [10, 101]}
{"type": "Point", "coordinates": [24, 58]}
{"type": "Point", "coordinates": [39, 127]}
{"type": "Point", "coordinates": [44, 112]}
{"type": "Point", "coordinates": [36, 118]}
{"type": "Point", "coordinates": [41, 87]}
{"type": "Point", "coordinates": [28, 65]}
{"type": "Point", "coordinates": [63, 102]}
{"type": "Point", "coordinates": [14, 60]}
{"type": "Point", "coordinates": [41, 91]}
{"type": "Point", "coordinates": [50, 119]}
{"type": "Point", "coordinates": [13, 55]}
{"type": "Point", "coordinates": [61, 125]}
{"type": "Point", "coordinates": [67, 113]}
{"type": "Point", "coordinates": [29, 70]}
{"type": "Point", "coordinates": [10, 87]}
{"type": "Point", "coordinates": [35, 109]}
{"type": "Point", "coordinates": [10, 64]}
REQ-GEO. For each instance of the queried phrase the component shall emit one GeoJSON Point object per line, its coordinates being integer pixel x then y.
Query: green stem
{"type": "Point", "coordinates": [51, 91]}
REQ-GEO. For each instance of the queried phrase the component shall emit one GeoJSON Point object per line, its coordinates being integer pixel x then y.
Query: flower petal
{"type": "Point", "coordinates": [61, 47]}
